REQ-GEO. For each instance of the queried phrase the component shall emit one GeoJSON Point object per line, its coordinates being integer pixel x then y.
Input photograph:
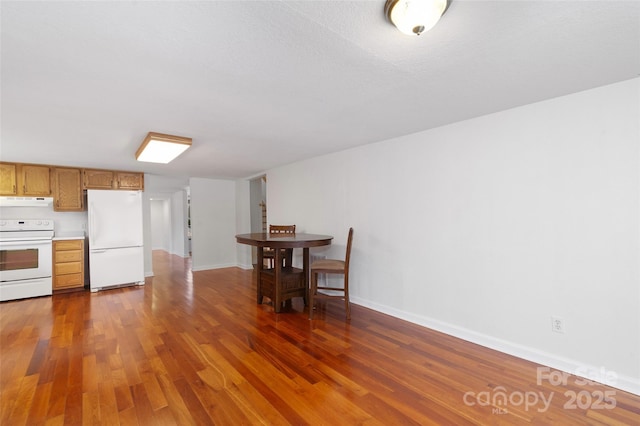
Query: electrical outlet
{"type": "Point", "coordinates": [557, 324]}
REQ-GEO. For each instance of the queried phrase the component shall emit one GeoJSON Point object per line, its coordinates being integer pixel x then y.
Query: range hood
{"type": "Point", "coordinates": [26, 201]}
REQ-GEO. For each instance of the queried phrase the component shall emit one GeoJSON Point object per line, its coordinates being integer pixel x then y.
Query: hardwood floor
{"type": "Point", "coordinates": [196, 349]}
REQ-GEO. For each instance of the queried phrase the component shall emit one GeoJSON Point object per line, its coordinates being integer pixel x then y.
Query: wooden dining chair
{"type": "Point", "coordinates": [275, 230]}
{"type": "Point", "coordinates": [331, 266]}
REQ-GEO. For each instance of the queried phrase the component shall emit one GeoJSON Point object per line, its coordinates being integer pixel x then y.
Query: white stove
{"type": "Point", "coordinates": [25, 258]}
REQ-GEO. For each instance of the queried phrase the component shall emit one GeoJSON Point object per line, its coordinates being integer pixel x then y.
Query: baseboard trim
{"type": "Point", "coordinates": [245, 267]}
{"type": "Point", "coordinates": [208, 267]}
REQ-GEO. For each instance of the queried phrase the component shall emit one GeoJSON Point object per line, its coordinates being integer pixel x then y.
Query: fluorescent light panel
{"type": "Point", "coordinates": [413, 17]}
{"type": "Point", "coordinates": [160, 148]}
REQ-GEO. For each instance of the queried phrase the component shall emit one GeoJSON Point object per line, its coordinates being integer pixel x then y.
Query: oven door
{"type": "Point", "coordinates": [25, 260]}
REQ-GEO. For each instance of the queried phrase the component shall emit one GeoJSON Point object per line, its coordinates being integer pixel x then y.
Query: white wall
{"type": "Point", "coordinates": [179, 225]}
{"type": "Point", "coordinates": [486, 228]}
{"type": "Point", "coordinates": [160, 225]}
{"type": "Point", "coordinates": [213, 223]}
{"type": "Point", "coordinates": [243, 221]}
{"type": "Point", "coordinates": [64, 222]}
{"type": "Point", "coordinates": [146, 231]}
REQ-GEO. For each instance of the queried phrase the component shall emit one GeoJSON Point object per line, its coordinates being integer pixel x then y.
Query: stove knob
{"type": "Point", "coordinates": [3, 222]}
{"type": "Point", "coordinates": [46, 222]}
{"type": "Point", "coordinates": [39, 222]}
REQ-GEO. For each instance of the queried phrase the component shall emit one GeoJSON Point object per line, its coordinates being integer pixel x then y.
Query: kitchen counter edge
{"type": "Point", "coordinates": [69, 236]}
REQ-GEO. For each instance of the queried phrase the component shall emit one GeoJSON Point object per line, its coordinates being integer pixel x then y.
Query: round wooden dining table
{"type": "Point", "coordinates": [283, 281]}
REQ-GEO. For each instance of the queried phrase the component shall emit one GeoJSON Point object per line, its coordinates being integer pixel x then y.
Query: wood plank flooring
{"type": "Point", "coordinates": [195, 348]}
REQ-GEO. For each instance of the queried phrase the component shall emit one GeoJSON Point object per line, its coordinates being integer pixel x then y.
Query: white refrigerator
{"type": "Point", "coordinates": [116, 253]}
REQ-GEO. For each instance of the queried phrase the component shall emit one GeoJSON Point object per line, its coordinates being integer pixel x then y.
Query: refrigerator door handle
{"type": "Point", "coordinates": [98, 251]}
{"type": "Point", "coordinates": [92, 222]}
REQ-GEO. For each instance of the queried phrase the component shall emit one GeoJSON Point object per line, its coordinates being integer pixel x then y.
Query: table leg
{"type": "Point", "coordinates": [306, 271]}
{"type": "Point", "coordinates": [259, 274]}
{"type": "Point", "coordinates": [288, 257]}
{"type": "Point", "coordinates": [277, 272]}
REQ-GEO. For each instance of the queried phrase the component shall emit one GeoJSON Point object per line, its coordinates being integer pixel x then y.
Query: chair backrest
{"type": "Point", "coordinates": [348, 255]}
{"type": "Point", "coordinates": [282, 229]}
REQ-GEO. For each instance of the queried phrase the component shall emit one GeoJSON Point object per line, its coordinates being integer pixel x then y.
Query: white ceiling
{"type": "Point", "coordinates": [258, 84]}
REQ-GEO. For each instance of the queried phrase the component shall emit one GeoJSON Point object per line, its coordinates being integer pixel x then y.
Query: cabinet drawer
{"type": "Point", "coordinates": [69, 280]}
{"type": "Point", "coordinates": [68, 268]}
{"type": "Point", "coordinates": [69, 256]}
{"type": "Point", "coordinates": [69, 244]}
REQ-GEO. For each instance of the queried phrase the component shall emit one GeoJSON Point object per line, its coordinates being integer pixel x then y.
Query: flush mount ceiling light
{"type": "Point", "coordinates": [159, 148]}
{"type": "Point", "coordinates": [413, 17]}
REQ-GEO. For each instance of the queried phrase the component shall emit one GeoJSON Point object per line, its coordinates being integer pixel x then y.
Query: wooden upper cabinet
{"type": "Point", "coordinates": [130, 180]}
{"type": "Point", "coordinates": [32, 180]}
{"type": "Point", "coordinates": [36, 180]}
{"type": "Point", "coordinates": [109, 179]}
{"type": "Point", "coordinates": [65, 184]}
{"type": "Point", "coordinates": [8, 179]}
{"type": "Point", "coordinates": [98, 179]}
{"type": "Point", "coordinates": [67, 190]}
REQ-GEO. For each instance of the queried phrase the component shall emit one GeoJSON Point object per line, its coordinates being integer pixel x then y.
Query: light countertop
{"type": "Point", "coordinates": [69, 235]}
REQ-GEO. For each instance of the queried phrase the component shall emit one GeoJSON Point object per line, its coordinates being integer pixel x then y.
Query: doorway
{"type": "Point", "coordinates": [258, 209]}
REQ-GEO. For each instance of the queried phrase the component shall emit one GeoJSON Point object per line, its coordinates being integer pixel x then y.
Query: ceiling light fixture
{"type": "Point", "coordinates": [159, 148]}
{"type": "Point", "coordinates": [413, 17]}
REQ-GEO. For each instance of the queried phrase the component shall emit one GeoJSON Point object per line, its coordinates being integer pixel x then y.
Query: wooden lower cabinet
{"type": "Point", "coordinates": [68, 264]}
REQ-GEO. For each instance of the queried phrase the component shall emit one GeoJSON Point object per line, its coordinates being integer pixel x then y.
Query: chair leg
{"type": "Point", "coordinates": [312, 292]}
{"type": "Point", "coordinates": [347, 305]}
